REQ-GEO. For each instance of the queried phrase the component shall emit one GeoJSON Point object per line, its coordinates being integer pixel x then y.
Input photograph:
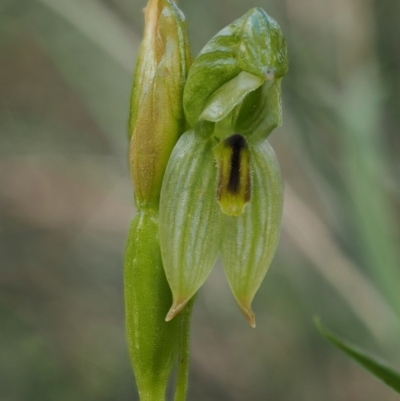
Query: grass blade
{"type": "Point", "coordinates": [376, 367]}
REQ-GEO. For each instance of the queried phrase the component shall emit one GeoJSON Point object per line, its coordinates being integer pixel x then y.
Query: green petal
{"type": "Point", "coordinates": [229, 95]}
{"type": "Point", "coordinates": [262, 48]}
{"type": "Point", "coordinates": [189, 218]}
{"type": "Point", "coordinates": [207, 75]}
{"type": "Point", "coordinates": [260, 113]}
{"type": "Point", "coordinates": [250, 240]}
{"type": "Point", "coordinates": [253, 44]}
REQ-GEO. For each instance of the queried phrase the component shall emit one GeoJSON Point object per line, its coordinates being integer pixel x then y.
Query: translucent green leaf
{"type": "Point", "coordinates": [376, 367]}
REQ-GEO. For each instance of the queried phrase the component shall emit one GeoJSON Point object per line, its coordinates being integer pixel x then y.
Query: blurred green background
{"type": "Point", "coordinates": [66, 204]}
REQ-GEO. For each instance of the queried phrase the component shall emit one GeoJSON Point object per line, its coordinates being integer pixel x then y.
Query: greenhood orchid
{"type": "Point", "coordinates": [222, 189]}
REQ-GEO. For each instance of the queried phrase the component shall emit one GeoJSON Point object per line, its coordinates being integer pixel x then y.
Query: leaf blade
{"type": "Point", "coordinates": [378, 368]}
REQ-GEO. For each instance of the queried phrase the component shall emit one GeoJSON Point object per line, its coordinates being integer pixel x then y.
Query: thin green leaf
{"type": "Point", "coordinates": [376, 367]}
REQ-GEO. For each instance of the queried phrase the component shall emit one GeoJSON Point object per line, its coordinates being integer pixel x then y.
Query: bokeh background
{"type": "Point", "coordinates": [66, 204]}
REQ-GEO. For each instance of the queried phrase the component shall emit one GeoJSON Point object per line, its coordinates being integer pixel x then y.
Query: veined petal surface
{"type": "Point", "coordinates": [189, 217]}
{"type": "Point", "coordinates": [229, 95]}
{"type": "Point", "coordinates": [250, 240]}
{"type": "Point", "coordinates": [261, 112]}
{"type": "Point", "coordinates": [156, 116]}
{"type": "Point", "coordinates": [253, 44]}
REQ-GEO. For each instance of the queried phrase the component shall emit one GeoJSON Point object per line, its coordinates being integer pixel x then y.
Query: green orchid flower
{"type": "Point", "coordinates": [222, 190]}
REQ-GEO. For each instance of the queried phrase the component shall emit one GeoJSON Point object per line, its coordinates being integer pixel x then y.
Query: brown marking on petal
{"type": "Point", "coordinates": [247, 194]}
{"type": "Point", "coordinates": [237, 142]}
{"type": "Point", "coordinates": [234, 181]}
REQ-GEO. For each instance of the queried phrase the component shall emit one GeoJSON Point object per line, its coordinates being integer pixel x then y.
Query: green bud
{"type": "Point", "coordinates": [156, 118]}
{"type": "Point", "coordinates": [153, 345]}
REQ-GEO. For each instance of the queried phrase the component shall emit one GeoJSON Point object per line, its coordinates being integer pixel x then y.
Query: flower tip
{"type": "Point", "coordinates": [270, 75]}
{"type": "Point", "coordinates": [176, 307]}
{"type": "Point", "coordinates": [232, 209]}
{"type": "Point", "coordinates": [248, 314]}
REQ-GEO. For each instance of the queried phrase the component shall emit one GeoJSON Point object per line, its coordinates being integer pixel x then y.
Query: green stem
{"type": "Point", "coordinates": [183, 355]}
{"type": "Point", "coordinates": [156, 394]}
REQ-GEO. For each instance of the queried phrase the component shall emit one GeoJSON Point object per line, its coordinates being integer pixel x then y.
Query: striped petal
{"type": "Point", "coordinates": [189, 218]}
{"type": "Point", "coordinates": [234, 184]}
{"type": "Point", "coordinates": [250, 240]}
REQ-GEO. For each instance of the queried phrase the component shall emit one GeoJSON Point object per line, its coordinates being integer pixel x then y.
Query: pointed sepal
{"type": "Point", "coordinates": [189, 218]}
{"type": "Point", "coordinates": [250, 240]}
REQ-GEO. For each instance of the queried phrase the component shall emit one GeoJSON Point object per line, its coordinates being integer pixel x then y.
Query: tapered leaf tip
{"type": "Point", "coordinates": [176, 307]}
{"type": "Point", "coordinates": [248, 314]}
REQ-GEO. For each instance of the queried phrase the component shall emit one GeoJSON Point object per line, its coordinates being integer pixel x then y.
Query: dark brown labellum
{"type": "Point", "coordinates": [234, 186]}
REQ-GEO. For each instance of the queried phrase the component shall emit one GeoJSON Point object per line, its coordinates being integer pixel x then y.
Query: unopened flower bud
{"type": "Point", "coordinates": [157, 118]}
